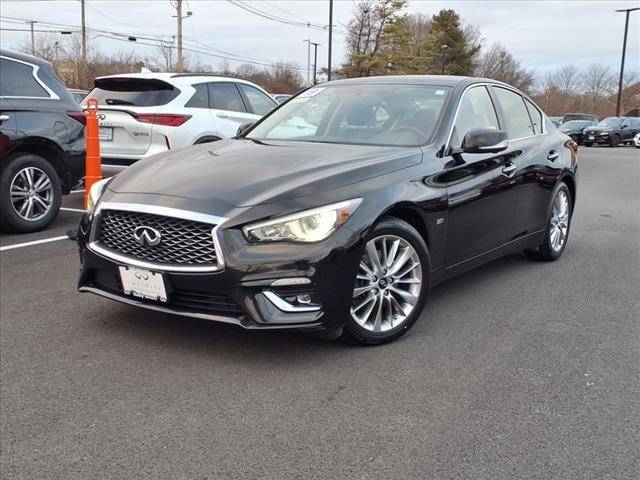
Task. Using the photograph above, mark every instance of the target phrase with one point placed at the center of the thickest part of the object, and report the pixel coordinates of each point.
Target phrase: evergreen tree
(448, 48)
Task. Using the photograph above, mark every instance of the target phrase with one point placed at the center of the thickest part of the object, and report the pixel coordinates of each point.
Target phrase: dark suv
(42, 145)
(612, 131)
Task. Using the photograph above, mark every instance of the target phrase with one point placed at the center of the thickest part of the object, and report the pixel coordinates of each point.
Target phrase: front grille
(184, 242)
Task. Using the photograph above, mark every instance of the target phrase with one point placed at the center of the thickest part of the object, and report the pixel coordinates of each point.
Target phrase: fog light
(304, 298)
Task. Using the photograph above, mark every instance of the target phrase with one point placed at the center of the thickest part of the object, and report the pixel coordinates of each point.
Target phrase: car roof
(178, 78)
(24, 57)
(442, 80)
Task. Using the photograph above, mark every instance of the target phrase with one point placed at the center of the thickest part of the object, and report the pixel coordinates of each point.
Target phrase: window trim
(34, 72)
(490, 85)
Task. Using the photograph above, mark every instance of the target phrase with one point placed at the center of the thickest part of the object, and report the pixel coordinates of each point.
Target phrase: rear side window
(536, 116)
(517, 117)
(17, 80)
(136, 92)
(476, 111)
(200, 99)
(260, 102)
(225, 96)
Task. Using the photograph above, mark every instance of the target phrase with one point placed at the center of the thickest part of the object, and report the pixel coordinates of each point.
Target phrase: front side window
(200, 98)
(395, 115)
(535, 115)
(17, 80)
(517, 116)
(260, 103)
(476, 111)
(225, 96)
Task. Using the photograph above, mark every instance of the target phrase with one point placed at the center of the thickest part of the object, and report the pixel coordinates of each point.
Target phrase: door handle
(3, 118)
(509, 169)
(222, 115)
(553, 155)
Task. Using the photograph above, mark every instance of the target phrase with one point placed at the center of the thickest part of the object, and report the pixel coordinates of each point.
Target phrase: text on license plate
(105, 134)
(143, 283)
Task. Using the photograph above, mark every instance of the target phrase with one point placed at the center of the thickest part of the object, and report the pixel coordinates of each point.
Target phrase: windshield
(610, 122)
(571, 124)
(397, 115)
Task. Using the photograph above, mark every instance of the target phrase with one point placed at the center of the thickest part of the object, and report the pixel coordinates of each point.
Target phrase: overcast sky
(541, 34)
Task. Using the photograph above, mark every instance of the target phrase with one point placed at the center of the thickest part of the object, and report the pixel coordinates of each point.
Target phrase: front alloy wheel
(389, 289)
(31, 193)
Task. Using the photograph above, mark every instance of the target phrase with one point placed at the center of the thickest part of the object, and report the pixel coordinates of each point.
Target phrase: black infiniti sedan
(612, 131)
(338, 211)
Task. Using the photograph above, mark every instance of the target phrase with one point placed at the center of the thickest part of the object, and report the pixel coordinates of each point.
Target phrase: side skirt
(527, 241)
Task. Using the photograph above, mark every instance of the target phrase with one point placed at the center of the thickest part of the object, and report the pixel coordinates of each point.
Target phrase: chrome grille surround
(202, 254)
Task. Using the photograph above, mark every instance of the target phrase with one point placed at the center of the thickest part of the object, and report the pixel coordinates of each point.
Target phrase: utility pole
(330, 39)
(84, 32)
(178, 7)
(308, 42)
(444, 56)
(33, 38)
(624, 52)
(315, 61)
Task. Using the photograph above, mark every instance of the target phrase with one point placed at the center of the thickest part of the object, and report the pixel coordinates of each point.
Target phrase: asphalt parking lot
(515, 370)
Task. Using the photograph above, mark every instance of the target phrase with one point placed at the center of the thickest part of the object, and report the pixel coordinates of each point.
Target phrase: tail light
(79, 117)
(167, 119)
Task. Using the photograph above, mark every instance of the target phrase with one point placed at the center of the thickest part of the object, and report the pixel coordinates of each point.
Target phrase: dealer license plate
(591, 137)
(105, 134)
(143, 283)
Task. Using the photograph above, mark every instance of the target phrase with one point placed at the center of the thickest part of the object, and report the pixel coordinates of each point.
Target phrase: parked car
(579, 116)
(636, 140)
(78, 95)
(147, 113)
(404, 183)
(575, 129)
(42, 147)
(281, 97)
(612, 131)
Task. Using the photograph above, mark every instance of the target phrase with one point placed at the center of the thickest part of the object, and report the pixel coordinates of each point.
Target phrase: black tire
(9, 218)
(545, 252)
(353, 332)
(614, 141)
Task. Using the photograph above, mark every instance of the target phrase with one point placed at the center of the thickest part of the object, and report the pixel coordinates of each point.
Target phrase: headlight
(308, 226)
(95, 192)
(604, 133)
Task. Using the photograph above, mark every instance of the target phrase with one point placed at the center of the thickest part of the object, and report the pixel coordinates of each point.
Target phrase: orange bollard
(93, 170)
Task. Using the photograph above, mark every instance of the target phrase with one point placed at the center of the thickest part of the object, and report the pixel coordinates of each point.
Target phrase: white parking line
(67, 209)
(35, 242)
(77, 191)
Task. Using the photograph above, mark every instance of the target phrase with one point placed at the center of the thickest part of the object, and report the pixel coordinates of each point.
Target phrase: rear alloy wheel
(31, 194)
(557, 232)
(390, 287)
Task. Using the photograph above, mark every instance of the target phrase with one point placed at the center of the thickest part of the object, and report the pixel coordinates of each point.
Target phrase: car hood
(244, 173)
(599, 129)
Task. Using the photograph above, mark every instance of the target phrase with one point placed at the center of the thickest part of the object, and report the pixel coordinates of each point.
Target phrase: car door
(479, 188)
(537, 165)
(629, 128)
(8, 125)
(228, 108)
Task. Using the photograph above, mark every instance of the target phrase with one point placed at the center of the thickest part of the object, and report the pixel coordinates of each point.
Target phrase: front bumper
(256, 288)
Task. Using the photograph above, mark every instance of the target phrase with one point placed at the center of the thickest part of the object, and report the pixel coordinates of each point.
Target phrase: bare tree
(498, 63)
(567, 80)
(598, 84)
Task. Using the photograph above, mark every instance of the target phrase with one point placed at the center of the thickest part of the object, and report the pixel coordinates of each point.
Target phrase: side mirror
(484, 140)
(243, 128)
(623, 127)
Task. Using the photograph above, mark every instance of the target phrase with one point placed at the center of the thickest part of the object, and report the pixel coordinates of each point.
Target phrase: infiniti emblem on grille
(147, 236)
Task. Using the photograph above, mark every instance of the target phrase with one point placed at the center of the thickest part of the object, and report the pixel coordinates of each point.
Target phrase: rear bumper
(249, 292)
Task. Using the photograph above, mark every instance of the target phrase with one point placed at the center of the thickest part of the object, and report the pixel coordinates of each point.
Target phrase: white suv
(142, 114)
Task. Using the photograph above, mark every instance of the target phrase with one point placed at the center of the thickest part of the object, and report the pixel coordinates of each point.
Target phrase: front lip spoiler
(239, 321)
